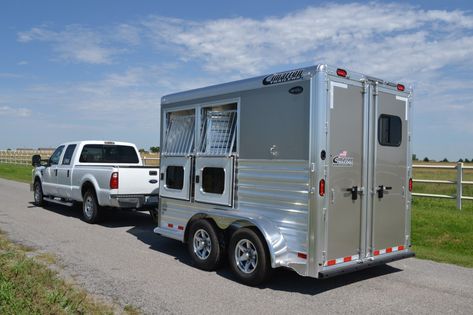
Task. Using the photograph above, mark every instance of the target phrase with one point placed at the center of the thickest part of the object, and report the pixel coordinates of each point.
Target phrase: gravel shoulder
(123, 261)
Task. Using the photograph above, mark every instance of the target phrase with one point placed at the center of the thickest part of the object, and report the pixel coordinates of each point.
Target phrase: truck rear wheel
(154, 214)
(248, 257)
(204, 245)
(90, 207)
(38, 193)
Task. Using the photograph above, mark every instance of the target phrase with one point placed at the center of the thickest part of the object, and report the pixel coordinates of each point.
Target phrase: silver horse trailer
(308, 169)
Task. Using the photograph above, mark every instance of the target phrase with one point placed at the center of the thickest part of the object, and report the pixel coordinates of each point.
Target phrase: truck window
(389, 130)
(213, 180)
(54, 159)
(175, 177)
(66, 160)
(105, 153)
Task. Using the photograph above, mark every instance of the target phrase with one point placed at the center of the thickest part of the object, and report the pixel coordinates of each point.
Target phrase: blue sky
(97, 69)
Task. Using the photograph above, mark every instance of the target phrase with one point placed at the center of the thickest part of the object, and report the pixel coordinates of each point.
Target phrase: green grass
(441, 232)
(28, 286)
(21, 173)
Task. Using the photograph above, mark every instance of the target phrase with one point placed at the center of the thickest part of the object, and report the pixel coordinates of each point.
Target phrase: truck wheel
(248, 257)
(38, 193)
(90, 207)
(154, 214)
(204, 245)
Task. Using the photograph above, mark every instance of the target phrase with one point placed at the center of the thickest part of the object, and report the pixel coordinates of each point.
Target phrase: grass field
(28, 286)
(19, 173)
(440, 232)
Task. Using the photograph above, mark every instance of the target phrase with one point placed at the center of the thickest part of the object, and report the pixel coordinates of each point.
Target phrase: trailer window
(104, 153)
(389, 130)
(213, 180)
(175, 177)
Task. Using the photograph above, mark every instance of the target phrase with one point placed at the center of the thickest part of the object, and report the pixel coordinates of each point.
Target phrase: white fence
(459, 182)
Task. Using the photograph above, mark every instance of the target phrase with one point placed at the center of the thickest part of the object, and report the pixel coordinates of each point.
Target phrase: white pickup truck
(97, 174)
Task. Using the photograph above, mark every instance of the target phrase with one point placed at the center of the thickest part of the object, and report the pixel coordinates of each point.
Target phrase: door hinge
(326, 127)
(324, 214)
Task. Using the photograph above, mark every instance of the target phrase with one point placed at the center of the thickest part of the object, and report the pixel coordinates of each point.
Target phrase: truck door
(64, 170)
(390, 182)
(49, 177)
(177, 155)
(345, 180)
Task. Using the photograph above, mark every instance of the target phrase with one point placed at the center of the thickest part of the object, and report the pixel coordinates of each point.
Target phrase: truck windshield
(104, 153)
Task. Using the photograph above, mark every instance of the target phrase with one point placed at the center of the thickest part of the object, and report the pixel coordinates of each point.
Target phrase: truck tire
(91, 212)
(204, 245)
(249, 258)
(38, 193)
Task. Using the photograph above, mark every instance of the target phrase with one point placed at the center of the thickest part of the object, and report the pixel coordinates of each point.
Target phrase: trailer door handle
(354, 192)
(197, 179)
(381, 190)
(68, 173)
(55, 172)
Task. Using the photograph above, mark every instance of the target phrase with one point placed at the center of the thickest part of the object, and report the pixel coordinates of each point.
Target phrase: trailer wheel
(90, 207)
(204, 245)
(38, 193)
(248, 257)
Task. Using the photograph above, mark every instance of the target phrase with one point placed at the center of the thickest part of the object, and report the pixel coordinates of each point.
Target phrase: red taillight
(401, 87)
(410, 184)
(322, 187)
(341, 72)
(114, 180)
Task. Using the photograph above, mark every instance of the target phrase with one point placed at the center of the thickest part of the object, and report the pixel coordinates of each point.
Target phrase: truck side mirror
(36, 160)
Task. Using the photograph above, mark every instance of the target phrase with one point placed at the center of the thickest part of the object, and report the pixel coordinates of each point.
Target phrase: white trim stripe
(404, 99)
(335, 84)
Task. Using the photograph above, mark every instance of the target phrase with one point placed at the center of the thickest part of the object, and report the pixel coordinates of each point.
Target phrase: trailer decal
(388, 250)
(283, 77)
(341, 260)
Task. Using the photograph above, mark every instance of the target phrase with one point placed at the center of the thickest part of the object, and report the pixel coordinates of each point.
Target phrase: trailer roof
(264, 81)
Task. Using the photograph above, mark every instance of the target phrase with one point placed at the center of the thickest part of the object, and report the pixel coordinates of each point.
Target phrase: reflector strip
(341, 260)
(388, 250)
(170, 225)
(180, 227)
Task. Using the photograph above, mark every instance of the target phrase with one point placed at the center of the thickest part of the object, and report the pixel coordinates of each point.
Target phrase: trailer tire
(91, 211)
(204, 245)
(38, 193)
(248, 257)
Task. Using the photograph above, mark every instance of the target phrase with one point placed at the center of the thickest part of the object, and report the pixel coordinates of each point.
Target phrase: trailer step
(58, 201)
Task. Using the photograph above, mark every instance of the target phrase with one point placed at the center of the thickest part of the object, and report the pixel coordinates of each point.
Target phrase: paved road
(122, 260)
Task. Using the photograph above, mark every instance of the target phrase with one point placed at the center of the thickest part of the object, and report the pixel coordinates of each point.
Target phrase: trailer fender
(277, 245)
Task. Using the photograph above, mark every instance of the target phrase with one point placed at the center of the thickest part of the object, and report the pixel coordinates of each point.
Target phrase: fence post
(459, 184)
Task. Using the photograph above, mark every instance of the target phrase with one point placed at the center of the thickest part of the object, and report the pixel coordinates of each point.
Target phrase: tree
(445, 160)
(426, 159)
(142, 150)
(414, 157)
(467, 161)
(460, 160)
(154, 149)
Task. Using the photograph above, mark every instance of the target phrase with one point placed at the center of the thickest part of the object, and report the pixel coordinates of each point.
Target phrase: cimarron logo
(283, 77)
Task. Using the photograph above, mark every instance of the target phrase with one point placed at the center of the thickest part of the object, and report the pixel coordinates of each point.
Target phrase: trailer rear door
(389, 211)
(345, 180)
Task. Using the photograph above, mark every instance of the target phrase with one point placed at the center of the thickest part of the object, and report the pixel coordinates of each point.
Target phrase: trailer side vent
(218, 133)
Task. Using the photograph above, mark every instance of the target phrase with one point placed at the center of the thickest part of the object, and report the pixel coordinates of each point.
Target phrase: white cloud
(77, 43)
(372, 37)
(14, 112)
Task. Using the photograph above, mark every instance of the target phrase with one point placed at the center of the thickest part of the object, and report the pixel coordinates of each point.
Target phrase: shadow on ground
(141, 226)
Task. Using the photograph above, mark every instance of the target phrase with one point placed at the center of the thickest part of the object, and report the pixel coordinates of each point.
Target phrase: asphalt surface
(123, 261)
